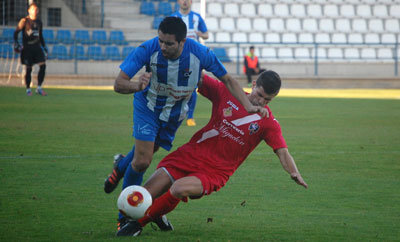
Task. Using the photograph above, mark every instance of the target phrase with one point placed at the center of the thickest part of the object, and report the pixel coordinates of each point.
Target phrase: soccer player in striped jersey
(161, 97)
(206, 162)
(196, 27)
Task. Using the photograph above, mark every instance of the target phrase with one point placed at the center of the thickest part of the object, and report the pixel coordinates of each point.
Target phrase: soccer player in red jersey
(205, 163)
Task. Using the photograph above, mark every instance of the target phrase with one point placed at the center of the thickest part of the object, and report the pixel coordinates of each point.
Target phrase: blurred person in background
(251, 65)
(196, 27)
(33, 50)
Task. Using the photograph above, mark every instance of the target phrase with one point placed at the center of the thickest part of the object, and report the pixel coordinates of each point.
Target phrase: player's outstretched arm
(289, 165)
(234, 87)
(124, 85)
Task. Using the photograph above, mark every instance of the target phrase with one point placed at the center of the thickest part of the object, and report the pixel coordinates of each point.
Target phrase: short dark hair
(175, 26)
(32, 5)
(270, 81)
(251, 47)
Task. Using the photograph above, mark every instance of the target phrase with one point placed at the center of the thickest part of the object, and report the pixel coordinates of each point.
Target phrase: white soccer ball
(134, 201)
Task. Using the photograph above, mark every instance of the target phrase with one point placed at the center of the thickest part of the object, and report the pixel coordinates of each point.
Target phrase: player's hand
(17, 47)
(298, 179)
(144, 80)
(260, 110)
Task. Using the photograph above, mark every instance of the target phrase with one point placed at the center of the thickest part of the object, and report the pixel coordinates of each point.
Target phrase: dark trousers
(250, 72)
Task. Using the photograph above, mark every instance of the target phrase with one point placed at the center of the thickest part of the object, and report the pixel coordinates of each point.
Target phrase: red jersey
(230, 135)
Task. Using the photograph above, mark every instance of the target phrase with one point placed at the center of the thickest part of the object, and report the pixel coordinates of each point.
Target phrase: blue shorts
(147, 127)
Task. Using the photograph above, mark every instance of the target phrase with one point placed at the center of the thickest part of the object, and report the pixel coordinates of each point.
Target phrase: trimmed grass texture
(56, 151)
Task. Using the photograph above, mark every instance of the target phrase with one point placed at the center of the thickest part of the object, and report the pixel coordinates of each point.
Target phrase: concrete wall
(68, 18)
(285, 69)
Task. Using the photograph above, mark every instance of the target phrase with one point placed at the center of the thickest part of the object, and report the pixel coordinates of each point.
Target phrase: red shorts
(181, 165)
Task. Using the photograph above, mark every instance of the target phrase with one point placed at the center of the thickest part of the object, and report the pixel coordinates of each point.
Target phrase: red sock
(162, 205)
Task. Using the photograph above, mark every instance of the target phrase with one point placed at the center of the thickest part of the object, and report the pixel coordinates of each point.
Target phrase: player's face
(33, 12)
(170, 48)
(258, 97)
(185, 4)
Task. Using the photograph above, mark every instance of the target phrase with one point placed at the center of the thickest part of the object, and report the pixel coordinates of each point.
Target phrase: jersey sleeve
(19, 28)
(202, 25)
(273, 135)
(41, 34)
(139, 57)
(210, 88)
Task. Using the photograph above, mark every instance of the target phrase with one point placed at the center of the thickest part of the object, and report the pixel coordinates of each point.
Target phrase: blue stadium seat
(147, 8)
(100, 37)
(78, 52)
(95, 52)
(221, 54)
(112, 53)
(64, 36)
(156, 22)
(8, 35)
(117, 37)
(126, 51)
(48, 35)
(177, 7)
(59, 52)
(82, 36)
(164, 8)
(6, 51)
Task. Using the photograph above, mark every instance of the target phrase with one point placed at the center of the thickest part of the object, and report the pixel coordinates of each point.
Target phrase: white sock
(28, 90)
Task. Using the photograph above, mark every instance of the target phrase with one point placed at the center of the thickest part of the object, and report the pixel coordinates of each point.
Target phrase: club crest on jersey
(253, 128)
(186, 73)
(227, 111)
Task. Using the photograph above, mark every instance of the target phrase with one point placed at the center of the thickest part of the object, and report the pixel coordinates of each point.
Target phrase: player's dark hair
(32, 5)
(251, 48)
(270, 81)
(175, 26)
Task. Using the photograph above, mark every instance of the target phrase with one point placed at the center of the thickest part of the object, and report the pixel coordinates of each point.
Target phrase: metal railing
(314, 55)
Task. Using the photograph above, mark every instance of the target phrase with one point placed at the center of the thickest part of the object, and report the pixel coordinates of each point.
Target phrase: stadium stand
(112, 53)
(342, 30)
(147, 8)
(117, 37)
(78, 52)
(221, 54)
(59, 52)
(64, 36)
(126, 51)
(100, 37)
(95, 52)
(157, 20)
(164, 8)
(48, 35)
(82, 36)
(7, 35)
(6, 51)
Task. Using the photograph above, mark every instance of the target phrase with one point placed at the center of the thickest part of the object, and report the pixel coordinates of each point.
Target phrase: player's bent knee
(187, 186)
(140, 165)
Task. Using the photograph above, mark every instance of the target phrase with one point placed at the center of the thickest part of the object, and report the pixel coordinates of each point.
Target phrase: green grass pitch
(56, 151)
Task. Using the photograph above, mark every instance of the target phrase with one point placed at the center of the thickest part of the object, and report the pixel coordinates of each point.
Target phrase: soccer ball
(134, 201)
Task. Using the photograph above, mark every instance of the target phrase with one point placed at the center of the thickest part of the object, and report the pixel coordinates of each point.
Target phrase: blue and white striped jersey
(172, 81)
(194, 22)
